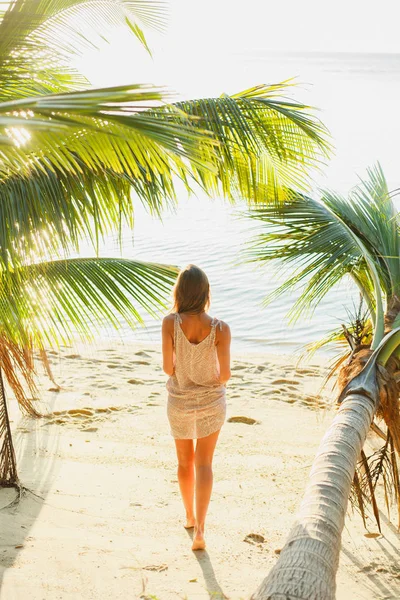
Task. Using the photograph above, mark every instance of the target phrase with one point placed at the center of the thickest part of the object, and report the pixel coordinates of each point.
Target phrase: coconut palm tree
(73, 161)
(326, 240)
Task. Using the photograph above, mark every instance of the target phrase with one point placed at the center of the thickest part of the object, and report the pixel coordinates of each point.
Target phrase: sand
(105, 519)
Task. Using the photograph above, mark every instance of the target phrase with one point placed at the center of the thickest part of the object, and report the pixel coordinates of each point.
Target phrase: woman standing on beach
(196, 356)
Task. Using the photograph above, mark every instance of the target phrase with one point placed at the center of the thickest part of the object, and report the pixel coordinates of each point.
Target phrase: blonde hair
(191, 291)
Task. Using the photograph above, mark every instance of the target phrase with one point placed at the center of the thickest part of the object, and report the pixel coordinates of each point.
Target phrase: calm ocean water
(356, 95)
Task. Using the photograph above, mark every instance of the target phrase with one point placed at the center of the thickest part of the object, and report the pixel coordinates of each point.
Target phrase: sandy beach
(105, 516)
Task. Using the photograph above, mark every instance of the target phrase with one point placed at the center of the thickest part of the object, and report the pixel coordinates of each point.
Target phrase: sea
(356, 97)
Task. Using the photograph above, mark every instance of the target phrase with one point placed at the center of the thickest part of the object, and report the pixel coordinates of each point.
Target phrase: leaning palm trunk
(307, 566)
(8, 465)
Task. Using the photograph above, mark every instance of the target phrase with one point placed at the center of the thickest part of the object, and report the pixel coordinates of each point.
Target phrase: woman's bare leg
(204, 480)
(185, 454)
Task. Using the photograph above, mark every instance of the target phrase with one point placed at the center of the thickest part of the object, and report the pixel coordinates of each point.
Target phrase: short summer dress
(196, 398)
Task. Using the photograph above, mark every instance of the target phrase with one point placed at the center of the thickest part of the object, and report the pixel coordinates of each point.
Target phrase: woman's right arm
(223, 344)
(168, 344)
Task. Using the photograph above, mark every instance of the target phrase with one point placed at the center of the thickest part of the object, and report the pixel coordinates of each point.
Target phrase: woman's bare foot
(190, 522)
(199, 542)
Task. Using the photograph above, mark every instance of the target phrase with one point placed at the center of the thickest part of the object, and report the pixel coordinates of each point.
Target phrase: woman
(196, 355)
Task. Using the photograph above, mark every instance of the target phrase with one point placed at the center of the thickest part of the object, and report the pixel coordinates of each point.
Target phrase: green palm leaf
(107, 127)
(107, 141)
(328, 238)
(267, 143)
(37, 38)
(51, 302)
(38, 23)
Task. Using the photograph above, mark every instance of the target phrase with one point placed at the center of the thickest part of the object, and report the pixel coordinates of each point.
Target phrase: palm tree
(326, 240)
(73, 160)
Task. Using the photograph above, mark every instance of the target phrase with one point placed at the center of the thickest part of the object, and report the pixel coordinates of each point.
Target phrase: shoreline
(107, 520)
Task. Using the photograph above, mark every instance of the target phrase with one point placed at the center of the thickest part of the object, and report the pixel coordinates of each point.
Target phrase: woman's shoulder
(168, 320)
(221, 326)
(170, 317)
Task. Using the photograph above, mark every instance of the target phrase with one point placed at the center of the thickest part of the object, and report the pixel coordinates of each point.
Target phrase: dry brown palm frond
(355, 364)
(389, 407)
(380, 466)
(17, 362)
(356, 497)
(392, 311)
(46, 363)
(376, 429)
(334, 367)
(396, 480)
(371, 489)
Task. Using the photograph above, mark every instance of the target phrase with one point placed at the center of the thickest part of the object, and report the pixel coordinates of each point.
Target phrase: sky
(207, 42)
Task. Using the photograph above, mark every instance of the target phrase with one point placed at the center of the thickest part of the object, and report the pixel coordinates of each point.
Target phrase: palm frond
(112, 135)
(18, 365)
(326, 239)
(357, 332)
(49, 303)
(103, 132)
(267, 143)
(32, 24)
(52, 211)
(303, 233)
(117, 115)
(38, 37)
(379, 467)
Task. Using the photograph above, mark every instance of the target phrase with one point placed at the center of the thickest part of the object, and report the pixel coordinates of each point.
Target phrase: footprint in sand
(135, 381)
(157, 568)
(314, 402)
(73, 356)
(139, 362)
(78, 411)
(142, 353)
(307, 371)
(84, 416)
(246, 420)
(254, 538)
(285, 382)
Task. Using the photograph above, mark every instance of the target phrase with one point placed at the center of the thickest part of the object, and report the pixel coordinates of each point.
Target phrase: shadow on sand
(383, 578)
(203, 558)
(36, 448)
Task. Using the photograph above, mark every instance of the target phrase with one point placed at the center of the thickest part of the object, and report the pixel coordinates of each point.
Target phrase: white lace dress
(196, 398)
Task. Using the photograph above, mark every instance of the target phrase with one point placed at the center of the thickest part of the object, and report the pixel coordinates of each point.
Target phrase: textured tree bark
(307, 566)
(8, 465)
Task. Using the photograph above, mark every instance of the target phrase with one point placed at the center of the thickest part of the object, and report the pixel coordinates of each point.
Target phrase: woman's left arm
(168, 344)
(223, 343)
